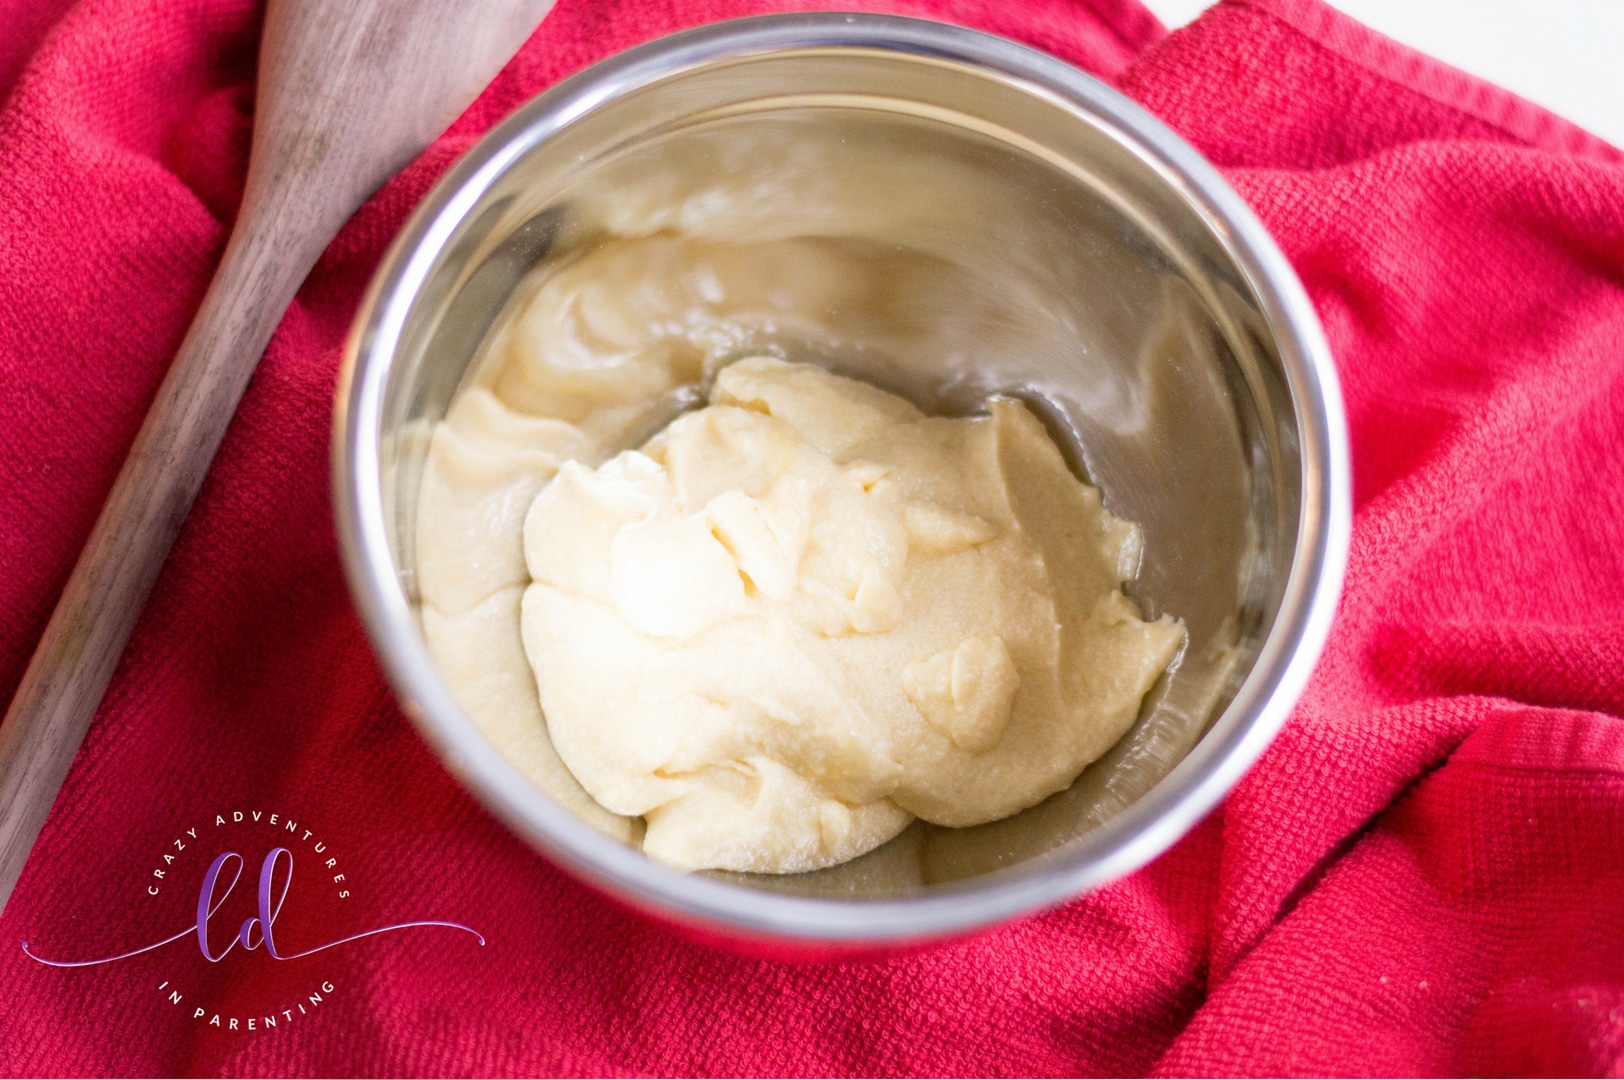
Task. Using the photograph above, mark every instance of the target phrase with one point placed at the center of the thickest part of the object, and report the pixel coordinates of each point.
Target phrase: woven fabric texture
(1424, 874)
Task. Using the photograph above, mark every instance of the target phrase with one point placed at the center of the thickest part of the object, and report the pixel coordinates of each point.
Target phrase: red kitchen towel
(1425, 874)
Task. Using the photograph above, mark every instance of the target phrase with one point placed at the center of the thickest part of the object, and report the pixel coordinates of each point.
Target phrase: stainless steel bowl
(1139, 305)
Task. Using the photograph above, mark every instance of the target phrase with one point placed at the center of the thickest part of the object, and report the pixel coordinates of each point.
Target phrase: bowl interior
(1070, 268)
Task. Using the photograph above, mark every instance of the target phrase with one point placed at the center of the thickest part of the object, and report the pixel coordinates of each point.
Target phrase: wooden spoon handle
(161, 476)
(348, 94)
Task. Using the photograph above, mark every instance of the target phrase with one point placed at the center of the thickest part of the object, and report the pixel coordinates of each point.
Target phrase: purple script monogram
(207, 905)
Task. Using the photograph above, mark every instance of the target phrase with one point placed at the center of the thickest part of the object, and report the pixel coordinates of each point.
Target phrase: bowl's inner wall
(1071, 275)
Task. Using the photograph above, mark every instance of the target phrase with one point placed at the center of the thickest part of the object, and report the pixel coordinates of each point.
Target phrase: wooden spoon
(349, 93)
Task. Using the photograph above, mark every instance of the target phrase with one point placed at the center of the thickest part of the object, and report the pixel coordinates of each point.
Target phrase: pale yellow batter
(806, 613)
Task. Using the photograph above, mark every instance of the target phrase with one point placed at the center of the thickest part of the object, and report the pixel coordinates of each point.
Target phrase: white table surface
(1567, 55)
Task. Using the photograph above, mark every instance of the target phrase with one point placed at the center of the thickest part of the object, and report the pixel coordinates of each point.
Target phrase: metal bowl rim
(1135, 835)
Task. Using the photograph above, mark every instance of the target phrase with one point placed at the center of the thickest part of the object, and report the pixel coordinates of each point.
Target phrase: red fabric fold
(1425, 874)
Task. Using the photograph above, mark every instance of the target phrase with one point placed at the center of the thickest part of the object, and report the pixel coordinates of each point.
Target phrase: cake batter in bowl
(948, 217)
